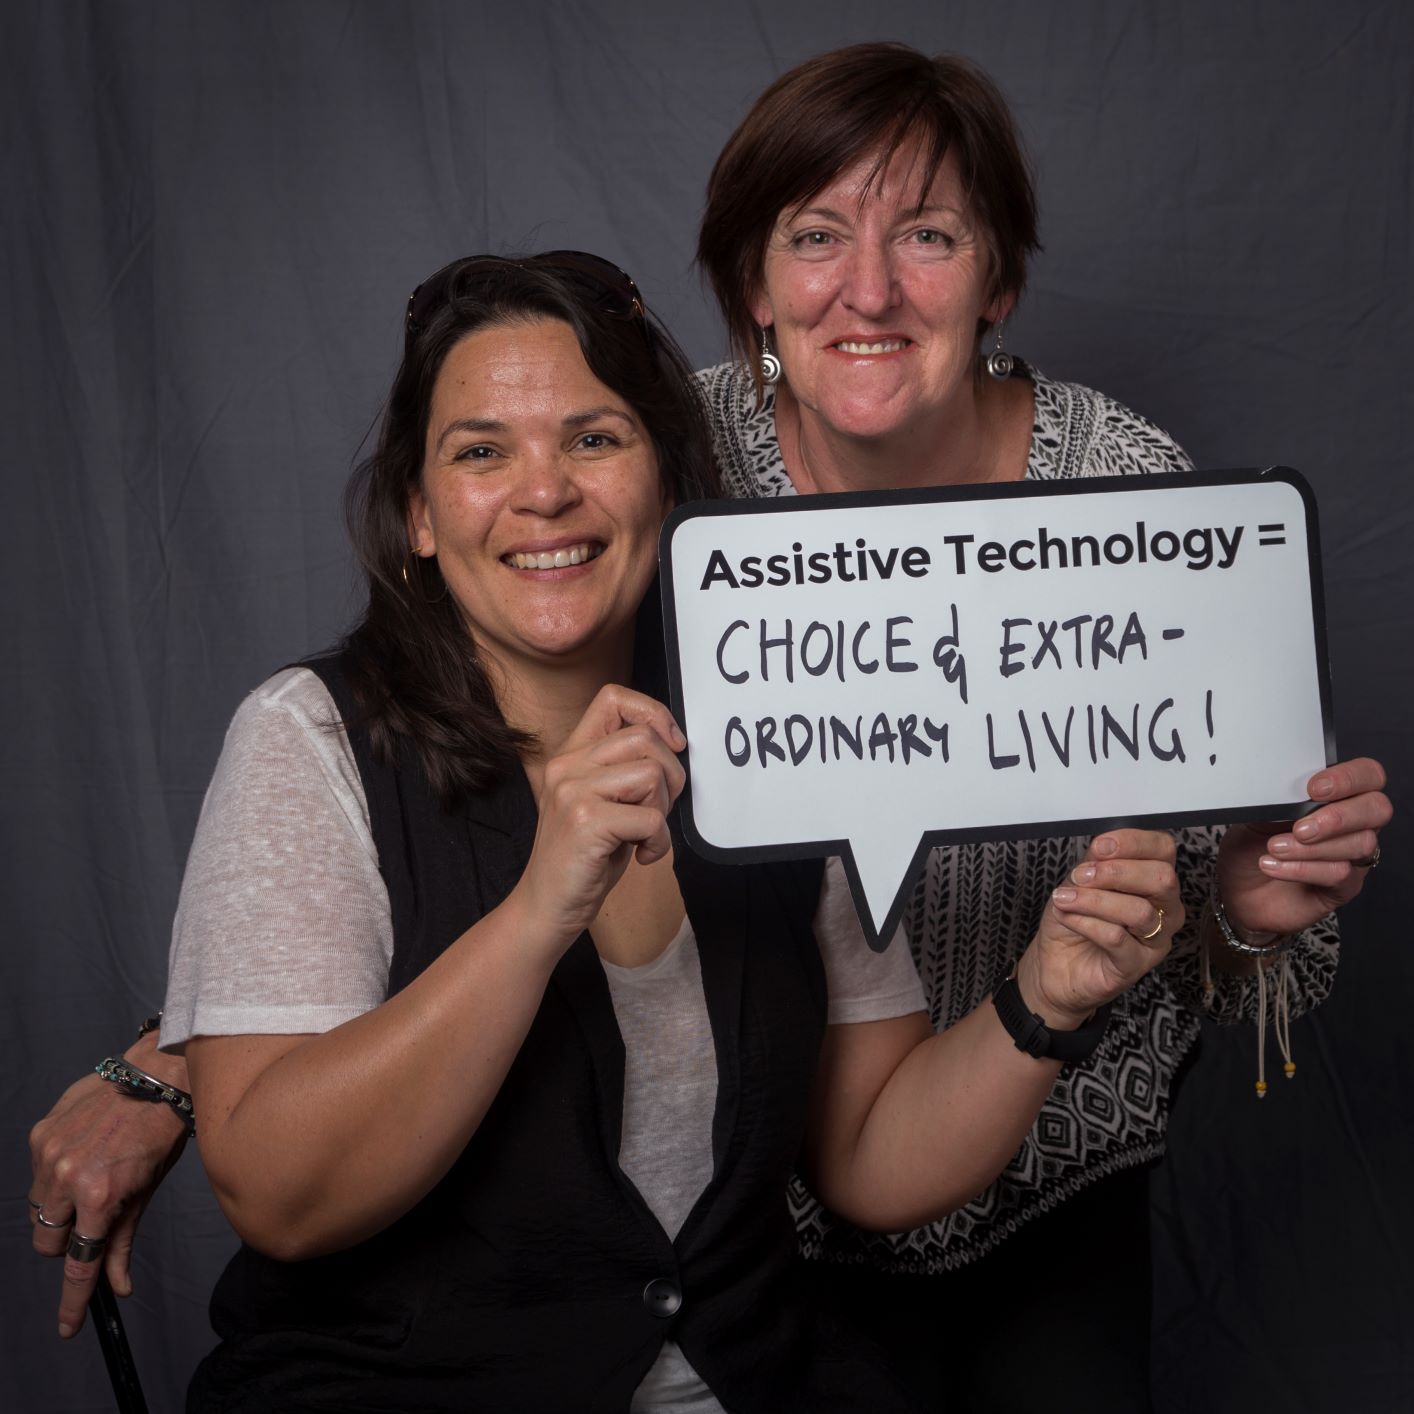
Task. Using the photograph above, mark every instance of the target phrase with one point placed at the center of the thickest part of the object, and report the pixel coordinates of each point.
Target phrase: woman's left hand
(1112, 922)
(1279, 878)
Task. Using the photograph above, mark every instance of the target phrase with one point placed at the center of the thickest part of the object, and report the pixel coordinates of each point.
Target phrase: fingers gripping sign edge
(615, 707)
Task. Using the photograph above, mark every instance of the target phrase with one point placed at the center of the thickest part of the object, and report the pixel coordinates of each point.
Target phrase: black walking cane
(117, 1353)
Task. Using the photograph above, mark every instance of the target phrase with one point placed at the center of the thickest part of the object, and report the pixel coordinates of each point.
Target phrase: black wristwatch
(1033, 1036)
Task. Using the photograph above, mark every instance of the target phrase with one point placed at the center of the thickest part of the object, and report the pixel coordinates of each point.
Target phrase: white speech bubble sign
(873, 675)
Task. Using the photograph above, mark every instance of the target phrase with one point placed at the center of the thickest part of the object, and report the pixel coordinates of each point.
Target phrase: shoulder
(295, 694)
(285, 742)
(743, 435)
(290, 711)
(1082, 432)
(283, 925)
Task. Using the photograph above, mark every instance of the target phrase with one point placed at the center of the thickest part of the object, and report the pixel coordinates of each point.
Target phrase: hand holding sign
(602, 800)
(1278, 878)
(873, 675)
(1110, 924)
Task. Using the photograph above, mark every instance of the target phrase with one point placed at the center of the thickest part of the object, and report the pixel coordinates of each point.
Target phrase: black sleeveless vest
(533, 1277)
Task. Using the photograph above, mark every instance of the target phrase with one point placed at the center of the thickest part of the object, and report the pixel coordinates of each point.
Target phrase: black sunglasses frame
(614, 290)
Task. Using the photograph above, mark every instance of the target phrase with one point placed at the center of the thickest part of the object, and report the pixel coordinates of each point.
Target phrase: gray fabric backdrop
(211, 218)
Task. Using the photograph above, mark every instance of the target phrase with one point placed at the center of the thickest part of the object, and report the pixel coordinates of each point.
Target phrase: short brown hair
(829, 112)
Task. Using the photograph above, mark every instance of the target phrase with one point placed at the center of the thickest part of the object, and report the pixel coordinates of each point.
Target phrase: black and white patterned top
(977, 905)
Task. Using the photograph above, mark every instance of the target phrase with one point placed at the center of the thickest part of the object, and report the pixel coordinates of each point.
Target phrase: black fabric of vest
(519, 1282)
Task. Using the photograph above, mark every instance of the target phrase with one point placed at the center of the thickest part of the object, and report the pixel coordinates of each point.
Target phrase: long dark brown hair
(411, 662)
(827, 113)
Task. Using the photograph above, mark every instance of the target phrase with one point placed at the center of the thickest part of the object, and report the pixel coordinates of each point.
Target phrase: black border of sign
(1078, 486)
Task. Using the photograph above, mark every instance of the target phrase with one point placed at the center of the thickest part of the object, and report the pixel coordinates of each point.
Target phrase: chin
(867, 423)
(576, 643)
(867, 414)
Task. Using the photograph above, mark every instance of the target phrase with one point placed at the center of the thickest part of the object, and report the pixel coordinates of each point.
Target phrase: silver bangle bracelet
(141, 1086)
(1275, 948)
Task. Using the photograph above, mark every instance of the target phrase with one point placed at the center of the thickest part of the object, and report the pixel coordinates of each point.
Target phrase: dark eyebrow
(475, 425)
(828, 213)
(470, 424)
(579, 419)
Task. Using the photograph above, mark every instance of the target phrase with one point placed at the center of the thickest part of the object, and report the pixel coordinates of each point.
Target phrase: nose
(546, 486)
(870, 286)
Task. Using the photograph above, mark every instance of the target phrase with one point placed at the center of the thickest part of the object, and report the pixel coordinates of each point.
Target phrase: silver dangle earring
(999, 362)
(770, 364)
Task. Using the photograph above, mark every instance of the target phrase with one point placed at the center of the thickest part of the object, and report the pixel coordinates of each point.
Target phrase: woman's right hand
(603, 798)
(1110, 923)
(907, 1125)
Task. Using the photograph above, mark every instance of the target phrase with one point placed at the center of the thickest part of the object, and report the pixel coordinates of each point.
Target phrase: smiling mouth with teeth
(880, 346)
(555, 559)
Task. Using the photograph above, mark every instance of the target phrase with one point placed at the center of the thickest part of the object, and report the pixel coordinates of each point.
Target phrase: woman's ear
(421, 538)
(761, 309)
(1000, 307)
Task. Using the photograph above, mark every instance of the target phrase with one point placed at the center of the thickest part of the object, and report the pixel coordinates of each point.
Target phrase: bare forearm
(347, 1130)
(172, 1070)
(947, 1122)
(906, 1126)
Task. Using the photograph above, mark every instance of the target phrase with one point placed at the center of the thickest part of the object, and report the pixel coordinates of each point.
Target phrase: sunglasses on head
(611, 289)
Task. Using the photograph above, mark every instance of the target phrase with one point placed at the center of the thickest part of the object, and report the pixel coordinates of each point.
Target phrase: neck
(548, 699)
(974, 439)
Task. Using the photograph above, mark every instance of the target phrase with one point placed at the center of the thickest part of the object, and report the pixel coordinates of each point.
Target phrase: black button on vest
(662, 1297)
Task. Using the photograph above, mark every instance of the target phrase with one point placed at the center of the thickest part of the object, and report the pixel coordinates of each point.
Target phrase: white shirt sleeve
(864, 985)
(283, 926)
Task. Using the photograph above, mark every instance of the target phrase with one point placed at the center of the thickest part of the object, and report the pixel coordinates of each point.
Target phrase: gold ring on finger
(1155, 930)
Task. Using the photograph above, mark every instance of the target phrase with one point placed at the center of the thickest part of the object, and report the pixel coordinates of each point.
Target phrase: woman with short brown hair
(867, 230)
